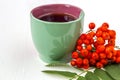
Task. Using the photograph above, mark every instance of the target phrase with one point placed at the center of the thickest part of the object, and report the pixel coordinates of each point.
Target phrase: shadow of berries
(62, 48)
(65, 45)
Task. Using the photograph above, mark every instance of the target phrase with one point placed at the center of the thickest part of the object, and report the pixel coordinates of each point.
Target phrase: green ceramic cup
(56, 40)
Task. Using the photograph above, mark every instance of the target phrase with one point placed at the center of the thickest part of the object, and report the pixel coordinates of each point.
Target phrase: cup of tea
(55, 29)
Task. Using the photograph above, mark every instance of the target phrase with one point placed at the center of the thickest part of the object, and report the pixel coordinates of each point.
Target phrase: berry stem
(117, 47)
(90, 31)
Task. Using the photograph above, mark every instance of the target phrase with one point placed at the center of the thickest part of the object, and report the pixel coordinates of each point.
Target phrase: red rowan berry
(82, 36)
(109, 55)
(118, 53)
(89, 47)
(100, 48)
(79, 42)
(102, 55)
(105, 36)
(112, 34)
(73, 63)
(86, 66)
(95, 56)
(99, 33)
(75, 55)
(79, 48)
(86, 41)
(99, 65)
(100, 40)
(111, 42)
(104, 61)
(113, 58)
(92, 61)
(88, 37)
(118, 60)
(84, 52)
(104, 28)
(91, 25)
(79, 61)
(105, 24)
(85, 61)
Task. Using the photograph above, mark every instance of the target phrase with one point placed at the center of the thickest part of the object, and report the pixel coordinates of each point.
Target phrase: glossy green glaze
(54, 40)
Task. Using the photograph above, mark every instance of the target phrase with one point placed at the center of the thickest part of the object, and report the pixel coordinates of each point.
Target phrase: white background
(18, 57)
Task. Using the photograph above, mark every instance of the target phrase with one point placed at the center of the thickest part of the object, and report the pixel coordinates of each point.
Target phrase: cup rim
(82, 14)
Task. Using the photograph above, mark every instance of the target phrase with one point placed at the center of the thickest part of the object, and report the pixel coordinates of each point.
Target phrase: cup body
(56, 40)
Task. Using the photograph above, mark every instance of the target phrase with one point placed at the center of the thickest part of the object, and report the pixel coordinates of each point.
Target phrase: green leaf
(102, 74)
(113, 71)
(63, 73)
(57, 64)
(81, 78)
(91, 76)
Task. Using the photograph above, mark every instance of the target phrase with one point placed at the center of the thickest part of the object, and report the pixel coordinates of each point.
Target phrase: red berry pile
(96, 48)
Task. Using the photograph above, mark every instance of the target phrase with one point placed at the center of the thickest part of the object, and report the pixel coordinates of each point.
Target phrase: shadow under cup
(56, 40)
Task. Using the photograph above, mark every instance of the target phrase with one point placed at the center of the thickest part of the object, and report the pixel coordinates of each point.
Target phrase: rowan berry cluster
(96, 48)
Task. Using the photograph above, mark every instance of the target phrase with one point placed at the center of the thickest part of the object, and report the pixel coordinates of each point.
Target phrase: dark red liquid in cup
(57, 17)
